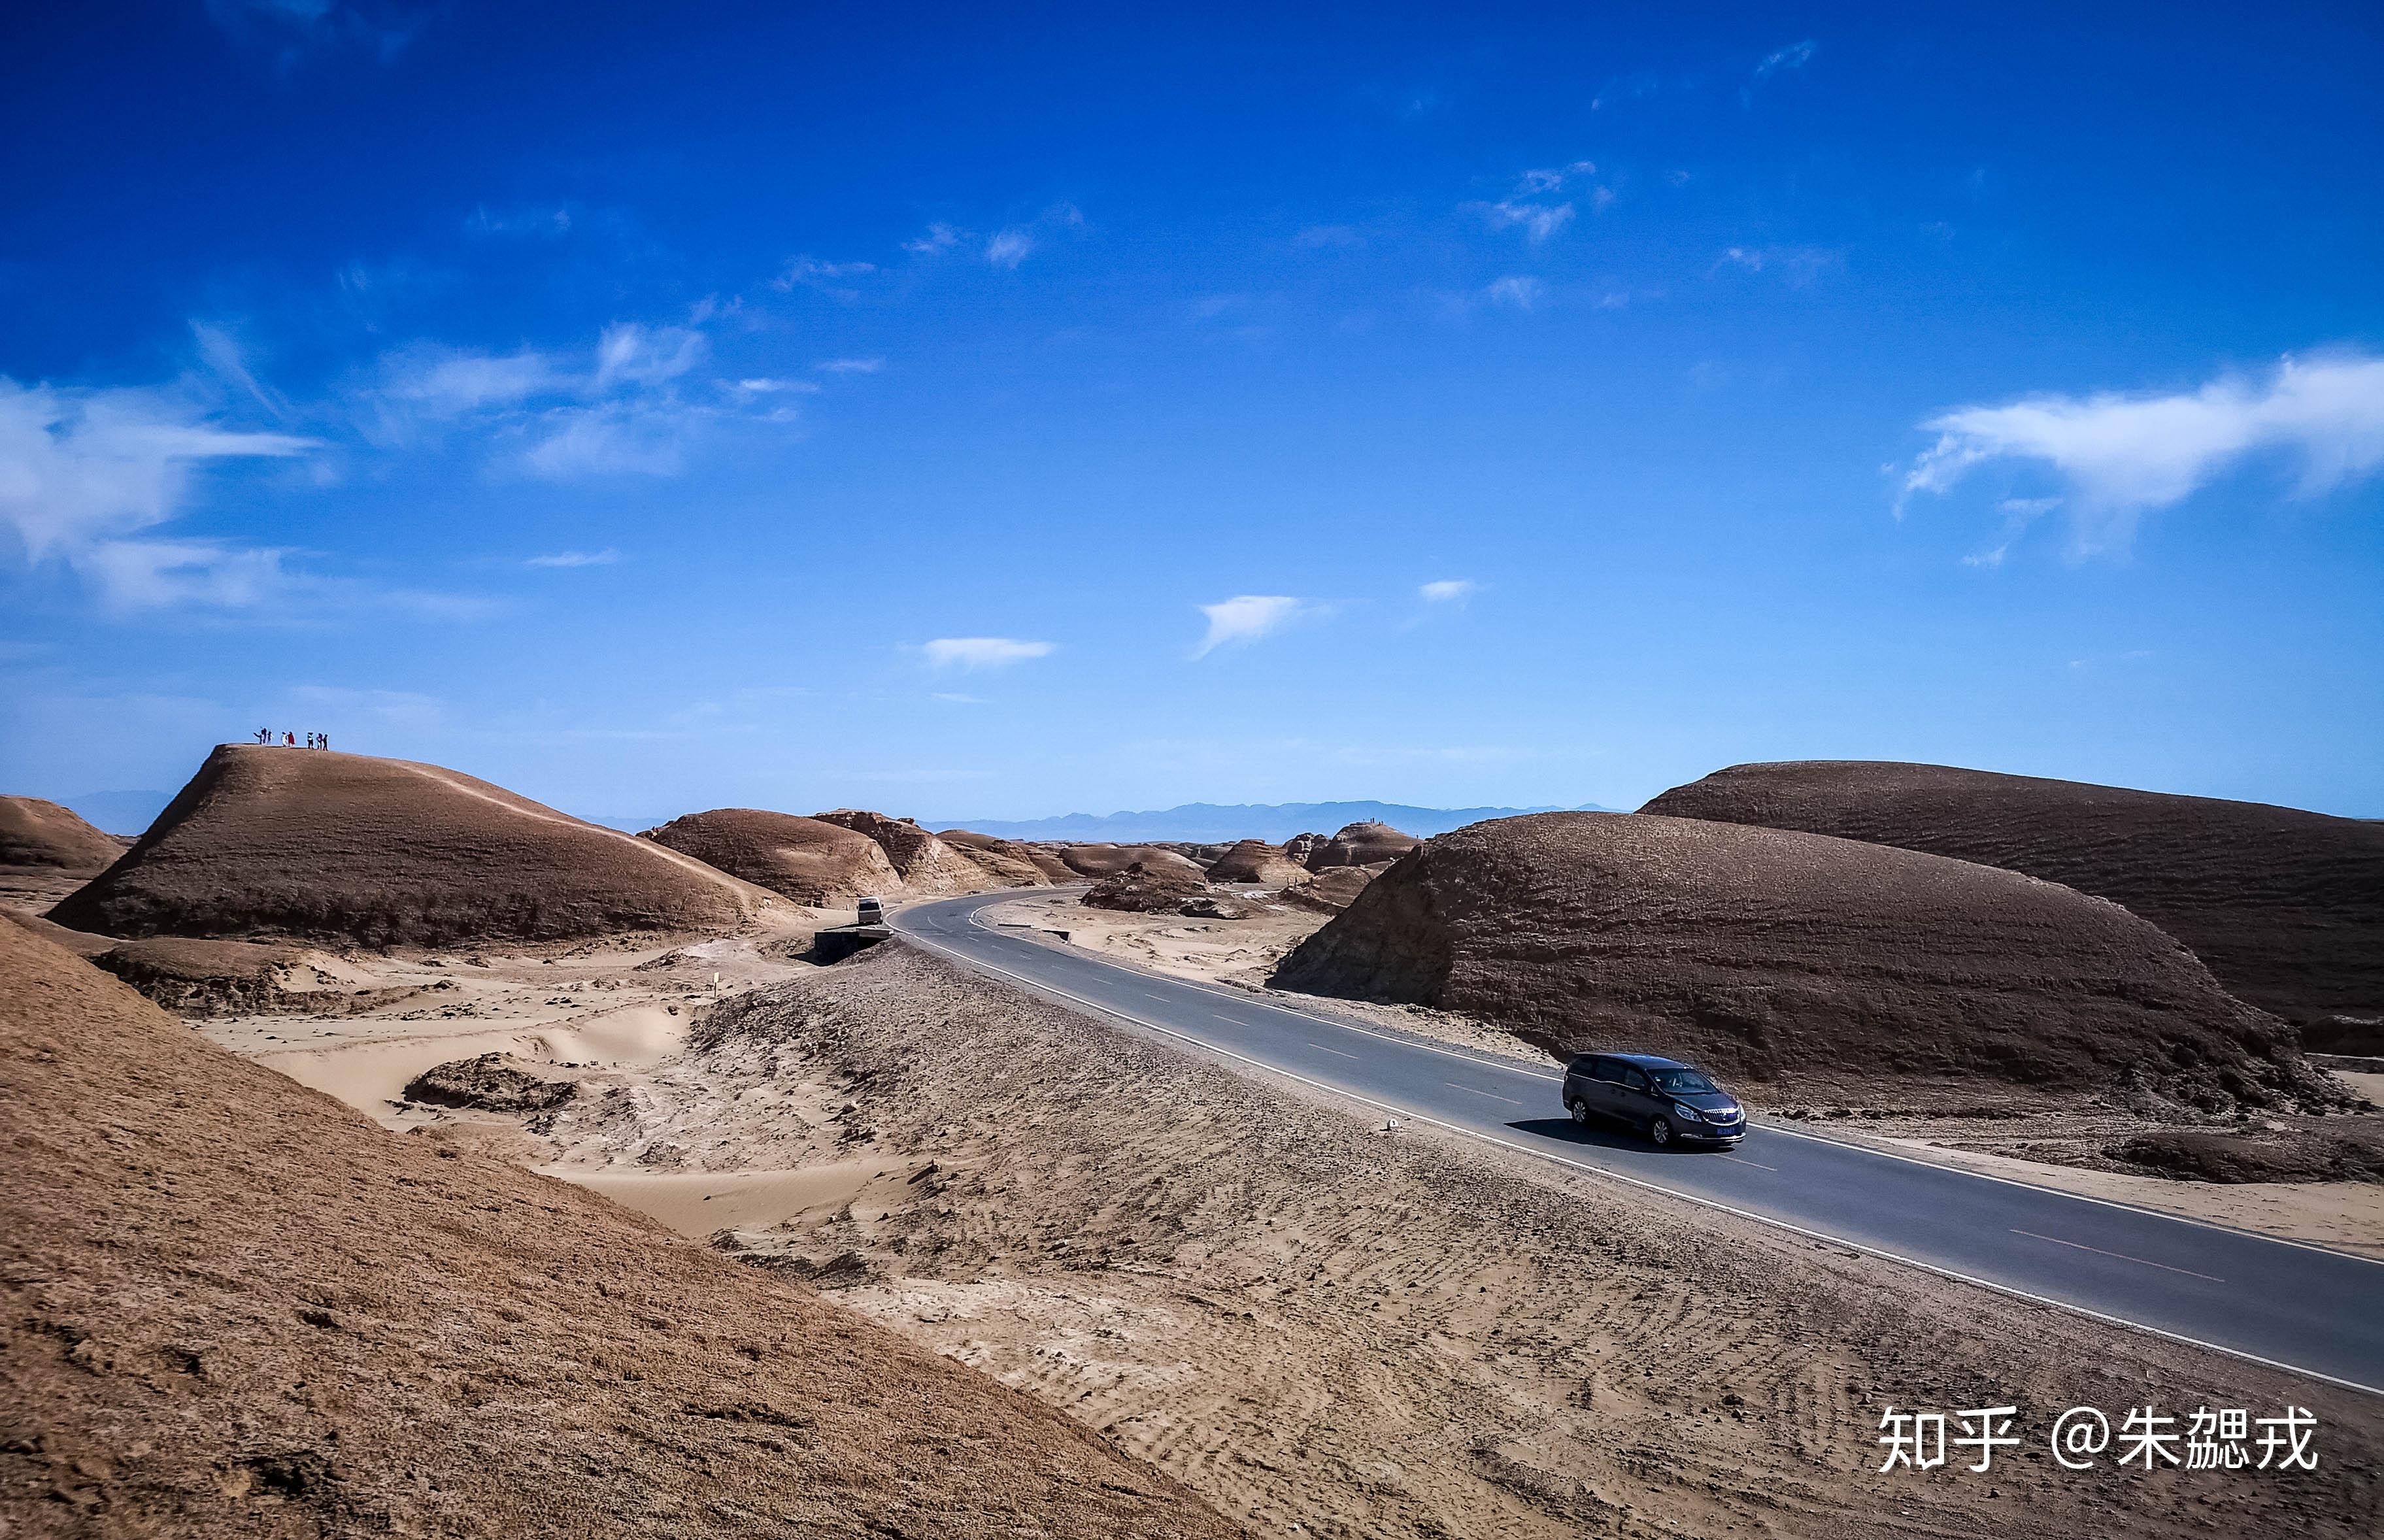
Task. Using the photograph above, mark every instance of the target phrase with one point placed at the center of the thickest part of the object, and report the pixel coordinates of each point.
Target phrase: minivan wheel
(1661, 1132)
(1580, 1110)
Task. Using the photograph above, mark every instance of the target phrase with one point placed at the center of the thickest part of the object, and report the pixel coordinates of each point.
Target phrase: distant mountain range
(1206, 822)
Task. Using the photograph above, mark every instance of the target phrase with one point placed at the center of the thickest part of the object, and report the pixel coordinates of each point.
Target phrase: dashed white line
(2120, 1255)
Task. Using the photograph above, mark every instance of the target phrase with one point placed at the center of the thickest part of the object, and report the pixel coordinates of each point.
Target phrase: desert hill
(1256, 861)
(1763, 953)
(1108, 860)
(292, 843)
(926, 864)
(807, 860)
(38, 832)
(1006, 861)
(2286, 907)
(233, 1307)
(1362, 845)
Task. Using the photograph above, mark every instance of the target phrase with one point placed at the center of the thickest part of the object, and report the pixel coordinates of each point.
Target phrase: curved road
(2315, 1312)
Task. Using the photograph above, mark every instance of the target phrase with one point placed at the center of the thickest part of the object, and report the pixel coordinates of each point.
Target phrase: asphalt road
(2315, 1312)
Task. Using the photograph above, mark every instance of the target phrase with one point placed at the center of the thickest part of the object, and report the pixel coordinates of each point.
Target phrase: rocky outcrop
(1007, 861)
(1256, 861)
(1141, 889)
(808, 859)
(1362, 845)
(924, 862)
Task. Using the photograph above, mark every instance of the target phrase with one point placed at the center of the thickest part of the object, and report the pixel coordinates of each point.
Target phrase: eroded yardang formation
(807, 860)
(270, 843)
(1764, 953)
(2287, 907)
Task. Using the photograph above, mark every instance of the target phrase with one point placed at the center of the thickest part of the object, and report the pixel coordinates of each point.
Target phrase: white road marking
(2007, 1290)
(1745, 1162)
(1492, 1095)
(1319, 1048)
(2120, 1255)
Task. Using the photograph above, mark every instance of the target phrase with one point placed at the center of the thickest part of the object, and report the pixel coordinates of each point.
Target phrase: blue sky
(999, 413)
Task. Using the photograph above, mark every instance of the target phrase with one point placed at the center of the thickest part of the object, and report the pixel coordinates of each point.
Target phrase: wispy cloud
(1450, 590)
(86, 475)
(1794, 56)
(832, 278)
(938, 237)
(1247, 617)
(1798, 266)
(636, 404)
(1523, 292)
(606, 557)
(1008, 248)
(970, 653)
(2120, 457)
(1534, 206)
(1014, 244)
(849, 365)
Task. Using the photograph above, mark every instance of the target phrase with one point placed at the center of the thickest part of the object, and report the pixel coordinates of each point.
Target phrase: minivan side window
(1584, 1065)
(1608, 1070)
(1638, 1082)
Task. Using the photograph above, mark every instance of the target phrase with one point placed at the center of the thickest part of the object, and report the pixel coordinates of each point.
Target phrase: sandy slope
(1316, 1323)
(233, 1308)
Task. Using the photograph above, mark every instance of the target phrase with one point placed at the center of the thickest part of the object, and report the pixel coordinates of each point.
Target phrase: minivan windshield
(1681, 1082)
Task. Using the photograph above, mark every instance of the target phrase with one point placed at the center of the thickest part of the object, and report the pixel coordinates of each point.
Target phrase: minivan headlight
(1688, 1112)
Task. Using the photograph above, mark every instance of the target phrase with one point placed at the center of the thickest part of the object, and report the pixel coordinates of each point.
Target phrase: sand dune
(276, 843)
(234, 1308)
(804, 858)
(2286, 907)
(1765, 954)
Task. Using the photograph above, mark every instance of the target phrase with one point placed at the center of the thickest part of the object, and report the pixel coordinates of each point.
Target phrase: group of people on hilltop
(290, 741)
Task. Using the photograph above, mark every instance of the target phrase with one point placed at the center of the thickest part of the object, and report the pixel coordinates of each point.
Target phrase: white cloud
(83, 472)
(1008, 248)
(1532, 205)
(777, 387)
(2122, 455)
(606, 557)
(1798, 264)
(1448, 590)
(1246, 618)
(1523, 292)
(940, 237)
(974, 652)
(831, 278)
(1794, 57)
(609, 439)
(628, 353)
(849, 365)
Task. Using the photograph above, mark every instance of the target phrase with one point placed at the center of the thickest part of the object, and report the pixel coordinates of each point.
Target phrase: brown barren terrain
(1773, 956)
(268, 843)
(234, 1308)
(2286, 907)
